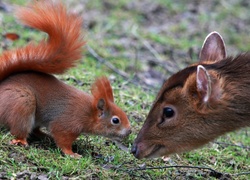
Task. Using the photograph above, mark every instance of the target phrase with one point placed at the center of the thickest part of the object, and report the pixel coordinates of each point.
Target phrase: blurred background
(150, 40)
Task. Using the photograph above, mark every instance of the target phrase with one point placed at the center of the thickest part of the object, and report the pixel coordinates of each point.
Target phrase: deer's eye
(115, 120)
(168, 112)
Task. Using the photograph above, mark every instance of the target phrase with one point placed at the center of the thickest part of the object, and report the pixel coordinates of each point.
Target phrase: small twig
(109, 65)
(213, 173)
(151, 49)
(146, 44)
(163, 63)
(242, 173)
(121, 73)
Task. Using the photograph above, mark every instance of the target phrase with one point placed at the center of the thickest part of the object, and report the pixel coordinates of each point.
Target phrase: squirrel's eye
(168, 112)
(115, 120)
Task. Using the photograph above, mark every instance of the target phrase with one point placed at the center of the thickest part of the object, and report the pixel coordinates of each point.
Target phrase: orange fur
(106, 93)
(60, 52)
(31, 98)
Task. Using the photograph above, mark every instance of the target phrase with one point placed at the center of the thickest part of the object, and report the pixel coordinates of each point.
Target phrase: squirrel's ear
(107, 88)
(101, 104)
(203, 83)
(102, 89)
(213, 48)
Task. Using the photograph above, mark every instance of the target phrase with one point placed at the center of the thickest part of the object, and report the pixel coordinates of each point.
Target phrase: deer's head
(179, 119)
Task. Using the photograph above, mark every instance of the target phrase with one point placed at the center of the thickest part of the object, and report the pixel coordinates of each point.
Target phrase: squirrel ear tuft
(102, 89)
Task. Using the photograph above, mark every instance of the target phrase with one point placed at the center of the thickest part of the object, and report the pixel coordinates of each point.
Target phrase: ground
(138, 44)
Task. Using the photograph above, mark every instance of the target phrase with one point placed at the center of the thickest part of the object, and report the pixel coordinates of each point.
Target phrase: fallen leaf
(11, 36)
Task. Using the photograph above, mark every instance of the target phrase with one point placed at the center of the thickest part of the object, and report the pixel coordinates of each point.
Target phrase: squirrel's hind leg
(18, 105)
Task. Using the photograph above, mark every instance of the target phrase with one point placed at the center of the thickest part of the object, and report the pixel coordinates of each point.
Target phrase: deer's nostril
(134, 149)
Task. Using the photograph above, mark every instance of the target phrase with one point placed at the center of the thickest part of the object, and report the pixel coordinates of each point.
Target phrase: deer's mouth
(155, 152)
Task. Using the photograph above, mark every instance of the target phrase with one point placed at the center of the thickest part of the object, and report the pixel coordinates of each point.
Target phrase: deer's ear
(213, 48)
(203, 83)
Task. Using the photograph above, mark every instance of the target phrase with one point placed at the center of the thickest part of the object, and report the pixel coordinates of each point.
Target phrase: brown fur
(31, 98)
(209, 99)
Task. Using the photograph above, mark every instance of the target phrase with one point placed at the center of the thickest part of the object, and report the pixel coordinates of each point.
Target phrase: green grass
(118, 34)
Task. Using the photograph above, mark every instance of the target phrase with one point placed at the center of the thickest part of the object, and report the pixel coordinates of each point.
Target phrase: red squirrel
(198, 103)
(31, 97)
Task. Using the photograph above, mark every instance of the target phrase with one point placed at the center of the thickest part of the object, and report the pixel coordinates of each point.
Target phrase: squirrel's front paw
(75, 155)
(21, 142)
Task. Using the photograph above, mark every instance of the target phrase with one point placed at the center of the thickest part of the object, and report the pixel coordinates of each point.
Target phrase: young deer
(198, 103)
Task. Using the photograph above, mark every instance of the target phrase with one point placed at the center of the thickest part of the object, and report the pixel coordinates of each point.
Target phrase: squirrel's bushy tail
(53, 56)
